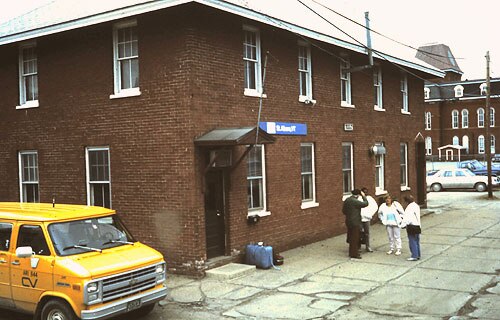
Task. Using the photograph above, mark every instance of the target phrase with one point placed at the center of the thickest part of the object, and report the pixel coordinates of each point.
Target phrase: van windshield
(96, 234)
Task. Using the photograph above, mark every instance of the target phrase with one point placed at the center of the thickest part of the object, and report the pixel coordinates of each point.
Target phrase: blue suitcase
(259, 255)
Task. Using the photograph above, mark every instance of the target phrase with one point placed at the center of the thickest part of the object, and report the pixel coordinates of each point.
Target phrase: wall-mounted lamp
(253, 219)
(377, 149)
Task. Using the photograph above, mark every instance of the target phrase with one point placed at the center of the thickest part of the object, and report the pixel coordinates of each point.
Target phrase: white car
(459, 179)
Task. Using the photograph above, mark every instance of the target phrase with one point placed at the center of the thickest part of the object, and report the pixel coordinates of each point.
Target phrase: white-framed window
(256, 180)
(480, 144)
(126, 59)
(492, 117)
(347, 167)
(28, 76)
(428, 146)
(252, 61)
(454, 119)
(428, 120)
(465, 118)
(308, 174)
(459, 91)
(377, 89)
(483, 87)
(305, 72)
(465, 143)
(455, 141)
(379, 172)
(403, 164)
(28, 176)
(492, 145)
(480, 118)
(98, 176)
(345, 84)
(427, 93)
(404, 92)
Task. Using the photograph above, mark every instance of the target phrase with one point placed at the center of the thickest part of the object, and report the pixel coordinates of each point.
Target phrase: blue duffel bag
(259, 255)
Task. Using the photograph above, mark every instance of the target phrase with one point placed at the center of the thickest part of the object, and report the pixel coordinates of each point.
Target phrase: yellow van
(74, 262)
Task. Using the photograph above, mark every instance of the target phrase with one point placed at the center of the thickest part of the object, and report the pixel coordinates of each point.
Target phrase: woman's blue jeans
(414, 241)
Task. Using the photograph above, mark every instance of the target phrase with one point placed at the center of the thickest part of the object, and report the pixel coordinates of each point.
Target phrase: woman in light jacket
(390, 214)
(412, 218)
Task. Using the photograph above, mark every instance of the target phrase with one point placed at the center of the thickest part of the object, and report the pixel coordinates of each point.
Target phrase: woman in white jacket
(390, 214)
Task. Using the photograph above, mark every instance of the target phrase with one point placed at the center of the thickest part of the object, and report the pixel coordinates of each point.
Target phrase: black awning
(233, 137)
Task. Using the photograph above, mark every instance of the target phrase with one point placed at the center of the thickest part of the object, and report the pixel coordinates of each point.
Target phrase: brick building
(152, 109)
(455, 111)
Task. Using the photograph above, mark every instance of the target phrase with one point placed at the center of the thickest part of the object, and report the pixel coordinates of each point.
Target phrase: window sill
(260, 213)
(380, 192)
(307, 100)
(346, 105)
(309, 204)
(29, 104)
(405, 112)
(254, 93)
(406, 188)
(126, 93)
(377, 108)
(428, 129)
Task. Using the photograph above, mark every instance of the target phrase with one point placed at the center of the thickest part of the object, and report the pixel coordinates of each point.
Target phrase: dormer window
(483, 88)
(459, 91)
(427, 93)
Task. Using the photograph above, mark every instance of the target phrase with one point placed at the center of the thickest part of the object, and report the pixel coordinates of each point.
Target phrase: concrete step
(230, 271)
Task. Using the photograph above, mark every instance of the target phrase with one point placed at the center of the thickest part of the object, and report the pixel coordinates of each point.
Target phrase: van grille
(129, 283)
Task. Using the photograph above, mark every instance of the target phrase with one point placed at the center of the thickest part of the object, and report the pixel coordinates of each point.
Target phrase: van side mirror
(24, 252)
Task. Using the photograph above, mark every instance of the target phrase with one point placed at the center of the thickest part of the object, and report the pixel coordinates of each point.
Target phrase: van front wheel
(57, 310)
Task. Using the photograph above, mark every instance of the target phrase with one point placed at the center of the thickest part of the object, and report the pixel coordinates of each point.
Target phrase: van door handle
(16, 263)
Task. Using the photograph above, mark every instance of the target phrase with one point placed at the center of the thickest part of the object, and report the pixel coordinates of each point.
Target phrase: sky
(466, 26)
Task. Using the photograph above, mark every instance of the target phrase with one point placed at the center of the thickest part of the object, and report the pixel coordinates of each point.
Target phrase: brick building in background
(455, 111)
(152, 109)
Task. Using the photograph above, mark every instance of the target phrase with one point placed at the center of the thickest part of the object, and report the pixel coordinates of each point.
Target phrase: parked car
(495, 157)
(479, 168)
(459, 179)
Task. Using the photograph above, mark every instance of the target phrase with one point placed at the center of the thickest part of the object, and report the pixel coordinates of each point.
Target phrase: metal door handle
(16, 263)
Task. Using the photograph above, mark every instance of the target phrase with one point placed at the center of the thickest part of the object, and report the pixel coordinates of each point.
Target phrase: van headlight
(160, 272)
(92, 293)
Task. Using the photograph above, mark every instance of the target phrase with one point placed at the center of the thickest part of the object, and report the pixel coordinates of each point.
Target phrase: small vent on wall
(348, 127)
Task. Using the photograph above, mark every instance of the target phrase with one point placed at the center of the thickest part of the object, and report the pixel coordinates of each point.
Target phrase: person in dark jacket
(352, 210)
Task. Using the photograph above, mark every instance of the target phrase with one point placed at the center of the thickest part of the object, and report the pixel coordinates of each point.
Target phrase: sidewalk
(457, 276)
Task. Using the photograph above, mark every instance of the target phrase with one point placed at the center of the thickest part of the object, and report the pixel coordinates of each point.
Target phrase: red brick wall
(191, 79)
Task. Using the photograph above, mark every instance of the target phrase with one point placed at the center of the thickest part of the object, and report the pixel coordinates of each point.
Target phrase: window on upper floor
(480, 118)
(28, 176)
(98, 177)
(403, 165)
(377, 89)
(492, 146)
(427, 93)
(28, 76)
(428, 120)
(492, 117)
(404, 92)
(465, 118)
(305, 73)
(347, 168)
(454, 119)
(308, 175)
(345, 84)
(256, 180)
(480, 144)
(455, 141)
(126, 59)
(428, 146)
(252, 61)
(459, 91)
(483, 88)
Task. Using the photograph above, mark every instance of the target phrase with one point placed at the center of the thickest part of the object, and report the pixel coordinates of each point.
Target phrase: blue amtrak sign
(284, 128)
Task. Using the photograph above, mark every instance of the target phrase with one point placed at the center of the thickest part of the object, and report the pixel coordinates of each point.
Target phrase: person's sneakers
(368, 249)
(357, 257)
(390, 251)
(398, 252)
(412, 259)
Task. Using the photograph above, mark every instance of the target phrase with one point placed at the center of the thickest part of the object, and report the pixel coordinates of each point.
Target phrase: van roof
(47, 212)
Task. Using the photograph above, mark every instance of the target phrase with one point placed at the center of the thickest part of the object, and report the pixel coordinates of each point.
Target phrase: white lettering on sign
(282, 128)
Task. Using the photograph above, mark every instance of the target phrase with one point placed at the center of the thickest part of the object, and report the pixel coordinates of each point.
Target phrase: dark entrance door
(214, 214)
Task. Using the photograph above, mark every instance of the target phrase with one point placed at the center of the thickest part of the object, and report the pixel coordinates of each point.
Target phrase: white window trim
(492, 117)
(466, 112)
(346, 64)
(380, 189)
(118, 92)
(459, 91)
(428, 146)
(87, 173)
(311, 203)
(427, 93)
(493, 141)
(20, 166)
(484, 118)
(405, 107)
(479, 139)
(453, 124)
(23, 104)
(428, 120)
(380, 102)
(406, 186)
(351, 147)
(263, 211)
(482, 88)
(258, 92)
(308, 98)
(465, 139)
